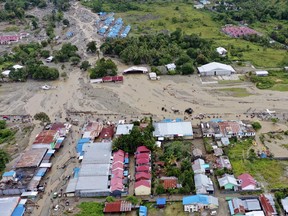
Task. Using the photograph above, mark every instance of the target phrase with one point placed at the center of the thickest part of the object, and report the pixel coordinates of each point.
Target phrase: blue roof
(231, 208)
(161, 201)
(10, 173)
(203, 199)
(142, 211)
(41, 172)
(76, 172)
(19, 210)
(126, 173)
(126, 160)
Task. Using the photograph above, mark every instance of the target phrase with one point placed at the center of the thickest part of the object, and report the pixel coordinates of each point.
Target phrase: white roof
(8, 204)
(152, 75)
(17, 67)
(227, 179)
(172, 128)
(124, 129)
(136, 68)
(220, 50)
(284, 203)
(50, 58)
(261, 72)
(215, 66)
(31, 193)
(6, 73)
(171, 66)
(255, 213)
(45, 165)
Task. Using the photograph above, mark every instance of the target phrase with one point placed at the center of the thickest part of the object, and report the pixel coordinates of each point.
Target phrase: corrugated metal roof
(124, 129)
(172, 128)
(8, 204)
(215, 66)
(71, 187)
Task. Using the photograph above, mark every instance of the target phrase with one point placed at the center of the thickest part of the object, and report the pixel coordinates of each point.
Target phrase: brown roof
(31, 158)
(118, 206)
(169, 182)
(107, 132)
(45, 137)
(57, 126)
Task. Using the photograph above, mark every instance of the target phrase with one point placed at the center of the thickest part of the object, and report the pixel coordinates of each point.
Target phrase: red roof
(142, 149)
(45, 137)
(169, 182)
(118, 206)
(107, 79)
(143, 155)
(142, 161)
(143, 169)
(145, 183)
(246, 180)
(119, 153)
(117, 78)
(57, 126)
(142, 176)
(107, 132)
(9, 38)
(117, 166)
(267, 207)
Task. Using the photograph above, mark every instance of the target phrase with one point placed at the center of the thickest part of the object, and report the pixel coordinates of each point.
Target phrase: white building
(261, 73)
(49, 59)
(221, 51)
(123, 129)
(170, 67)
(16, 67)
(6, 73)
(216, 69)
(173, 129)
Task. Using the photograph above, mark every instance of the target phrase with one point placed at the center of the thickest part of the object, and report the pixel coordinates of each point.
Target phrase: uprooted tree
(43, 117)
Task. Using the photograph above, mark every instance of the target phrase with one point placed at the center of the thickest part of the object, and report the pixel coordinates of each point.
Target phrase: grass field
(171, 209)
(236, 92)
(259, 168)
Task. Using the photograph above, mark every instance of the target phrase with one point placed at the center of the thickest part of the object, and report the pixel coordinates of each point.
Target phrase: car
(56, 208)
(55, 195)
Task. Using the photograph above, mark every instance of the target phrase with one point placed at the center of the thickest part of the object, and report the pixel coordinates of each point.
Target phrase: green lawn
(259, 168)
(91, 209)
(171, 209)
(280, 87)
(236, 92)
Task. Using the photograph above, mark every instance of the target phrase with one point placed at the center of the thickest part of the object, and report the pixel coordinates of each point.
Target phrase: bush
(42, 117)
(256, 126)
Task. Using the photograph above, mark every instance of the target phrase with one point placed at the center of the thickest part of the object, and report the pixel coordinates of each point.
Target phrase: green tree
(110, 199)
(41, 116)
(85, 65)
(4, 158)
(91, 47)
(187, 68)
(2, 124)
(160, 189)
(103, 68)
(75, 60)
(134, 200)
(66, 22)
(34, 24)
(256, 126)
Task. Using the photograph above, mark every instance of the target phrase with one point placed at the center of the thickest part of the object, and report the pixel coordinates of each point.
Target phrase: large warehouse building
(216, 69)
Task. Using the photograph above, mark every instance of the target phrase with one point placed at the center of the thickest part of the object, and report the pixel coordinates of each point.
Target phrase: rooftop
(8, 204)
(214, 66)
(163, 129)
(118, 206)
(31, 158)
(124, 129)
(46, 137)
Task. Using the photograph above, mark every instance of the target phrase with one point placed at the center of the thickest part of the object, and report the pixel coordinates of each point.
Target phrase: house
(142, 155)
(199, 166)
(203, 184)
(142, 187)
(144, 168)
(117, 207)
(230, 129)
(7, 176)
(17, 67)
(173, 129)
(170, 182)
(143, 150)
(268, 204)
(142, 161)
(135, 69)
(6, 73)
(218, 152)
(228, 182)
(8, 204)
(171, 67)
(49, 59)
(197, 153)
(142, 176)
(153, 76)
(236, 207)
(198, 6)
(143, 211)
(46, 139)
(107, 133)
(223, 162)
(92, 130)
(247, 182)
(161, 202)
(221, 51)
(123, 129)
(284, 203)
(210, 129)
(199, 202)
(7, 39)
(216, 69)
(225, 141)
(261, 73)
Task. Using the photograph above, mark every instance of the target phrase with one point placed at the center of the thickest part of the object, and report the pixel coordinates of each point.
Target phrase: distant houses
(216, 69)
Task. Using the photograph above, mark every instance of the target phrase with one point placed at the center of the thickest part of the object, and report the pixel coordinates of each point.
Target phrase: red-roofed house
(268, 204)
(143, 155)
(230, 128)
(142, 176)
(142, 149)
(92, 130)
(142, 187)
(46, 139)
(117, 207)
(8, 39)
(143, 169)
(107, 133)
(117, 78)
(142, 161)
(247, 182)
(169, 182)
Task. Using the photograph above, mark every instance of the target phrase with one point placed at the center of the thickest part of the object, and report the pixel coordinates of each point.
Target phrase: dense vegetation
(102, 68)
(4, 158)
(137, 137)
(91, 208)
(160, 49)
(5, 133)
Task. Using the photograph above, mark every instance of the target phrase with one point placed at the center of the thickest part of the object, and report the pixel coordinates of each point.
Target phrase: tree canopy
(103, 68)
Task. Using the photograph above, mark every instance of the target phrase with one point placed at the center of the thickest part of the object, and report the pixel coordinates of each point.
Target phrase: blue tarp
(41, 172)
(69, 34)
(76, 172)
(8, 174)
(80, 144)
(19, 210)
(179, 120)
(126, 160)
(167, 120)
(161, 201)
(143, 211)
(125, 173)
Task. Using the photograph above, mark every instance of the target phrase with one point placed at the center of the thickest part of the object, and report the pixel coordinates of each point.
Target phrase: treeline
(161, 49)
(252, 11)
(16, 8)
